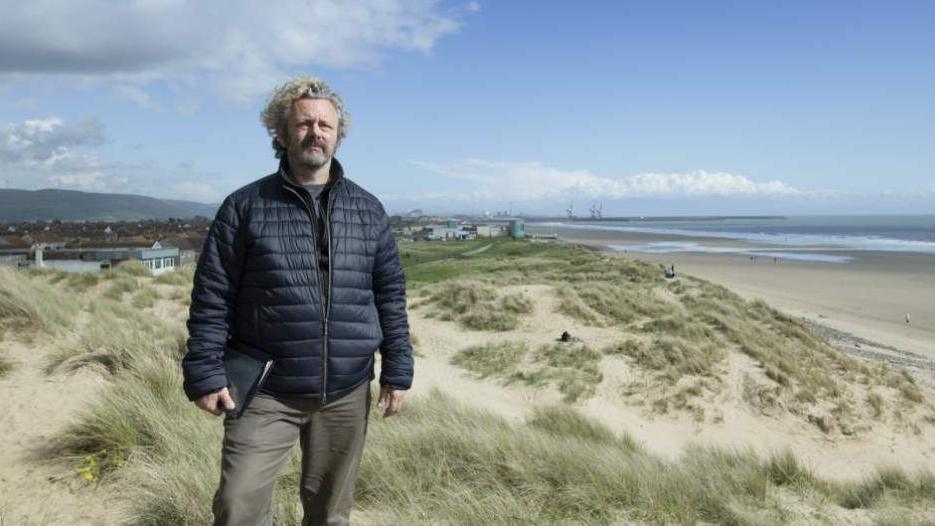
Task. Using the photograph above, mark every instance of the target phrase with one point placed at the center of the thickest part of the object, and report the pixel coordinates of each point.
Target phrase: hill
(73, 205)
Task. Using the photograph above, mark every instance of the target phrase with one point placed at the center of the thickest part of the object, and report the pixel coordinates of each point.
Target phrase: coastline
(867, 297)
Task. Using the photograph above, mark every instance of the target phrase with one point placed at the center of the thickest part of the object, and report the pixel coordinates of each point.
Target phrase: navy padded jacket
(256, 283)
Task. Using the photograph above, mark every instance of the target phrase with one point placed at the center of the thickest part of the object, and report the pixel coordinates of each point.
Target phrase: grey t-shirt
(314, 189)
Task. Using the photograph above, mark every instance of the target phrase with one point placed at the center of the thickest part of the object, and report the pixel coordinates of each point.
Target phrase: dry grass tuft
(573, 368)
(145, 298)
(476, 306)
(496, 359)
(122, 284)
(30, 306)
(180, 277)
(6, 365)
(116, 337)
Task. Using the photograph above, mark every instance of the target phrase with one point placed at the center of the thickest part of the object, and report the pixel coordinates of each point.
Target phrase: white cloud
(533, 180)
(238, 46)
(48, 140)
(54, 153)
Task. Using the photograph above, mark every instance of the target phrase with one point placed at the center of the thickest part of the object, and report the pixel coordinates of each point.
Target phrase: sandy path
(36, 490)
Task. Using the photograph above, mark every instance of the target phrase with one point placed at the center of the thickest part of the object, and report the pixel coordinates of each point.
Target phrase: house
(156, 258)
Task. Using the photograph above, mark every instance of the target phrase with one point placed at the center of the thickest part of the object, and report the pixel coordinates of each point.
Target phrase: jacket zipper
(324, 390)
(324, 360)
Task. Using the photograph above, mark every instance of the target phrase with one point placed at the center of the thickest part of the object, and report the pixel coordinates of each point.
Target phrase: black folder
(247, 369)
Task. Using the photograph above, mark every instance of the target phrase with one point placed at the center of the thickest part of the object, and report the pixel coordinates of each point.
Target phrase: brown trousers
(257, 444)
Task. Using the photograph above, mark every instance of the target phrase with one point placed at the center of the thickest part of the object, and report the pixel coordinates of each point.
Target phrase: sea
(807, 238)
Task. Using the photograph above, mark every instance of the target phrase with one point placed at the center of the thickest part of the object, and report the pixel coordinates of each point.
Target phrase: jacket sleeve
(389, 288)
(214, 295)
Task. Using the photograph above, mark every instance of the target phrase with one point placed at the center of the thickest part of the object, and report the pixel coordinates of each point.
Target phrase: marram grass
(30, 305)
(444, 462)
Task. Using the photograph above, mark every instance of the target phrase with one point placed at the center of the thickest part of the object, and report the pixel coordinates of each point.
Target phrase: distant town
(165, 244)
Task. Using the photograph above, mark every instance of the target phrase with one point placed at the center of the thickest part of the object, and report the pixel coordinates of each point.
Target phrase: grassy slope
(676, 332)
(438, 461)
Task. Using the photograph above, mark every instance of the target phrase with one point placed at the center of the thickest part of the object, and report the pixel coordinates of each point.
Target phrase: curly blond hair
(275, 115)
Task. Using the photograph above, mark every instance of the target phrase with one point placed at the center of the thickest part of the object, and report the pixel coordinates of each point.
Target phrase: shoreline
(862, 303)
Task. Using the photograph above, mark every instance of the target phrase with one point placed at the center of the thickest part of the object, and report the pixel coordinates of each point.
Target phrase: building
(517, 228)
(446, 233)
(485, 231)
(157, 259)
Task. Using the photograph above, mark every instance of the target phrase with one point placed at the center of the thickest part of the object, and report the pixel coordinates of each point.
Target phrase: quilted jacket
(257, 286)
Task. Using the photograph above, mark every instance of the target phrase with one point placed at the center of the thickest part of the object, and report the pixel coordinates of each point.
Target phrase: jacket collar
(336, 174)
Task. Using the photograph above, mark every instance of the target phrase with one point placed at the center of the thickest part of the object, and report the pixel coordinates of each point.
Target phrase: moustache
(312, 143)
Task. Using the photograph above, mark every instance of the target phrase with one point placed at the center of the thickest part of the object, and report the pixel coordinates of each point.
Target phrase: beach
(868, 296)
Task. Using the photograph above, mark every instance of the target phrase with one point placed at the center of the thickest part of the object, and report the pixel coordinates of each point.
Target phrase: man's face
(311, 136)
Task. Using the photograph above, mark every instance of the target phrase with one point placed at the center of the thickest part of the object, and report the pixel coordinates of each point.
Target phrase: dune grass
(145, 297)
(876, 402)
(445, 463)
(605, 302)
(181, 295)
(442, 462)
(30, 306)
(496, 359)
(181, 277)
(566, 422)
(573, 368)
(676, 332)
(82, 281)
(131, 268)
(120, 285)
(674, 357)
(573, 306)
(789, 354)
(6, 365)
(476, 306)
(117, 336)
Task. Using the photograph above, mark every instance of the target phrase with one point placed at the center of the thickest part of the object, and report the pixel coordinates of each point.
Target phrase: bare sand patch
(35, 489)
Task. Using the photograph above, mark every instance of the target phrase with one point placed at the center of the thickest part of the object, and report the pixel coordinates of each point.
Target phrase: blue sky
(648, 107)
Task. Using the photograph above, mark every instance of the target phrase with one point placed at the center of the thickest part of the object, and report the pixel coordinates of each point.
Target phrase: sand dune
(729, 420)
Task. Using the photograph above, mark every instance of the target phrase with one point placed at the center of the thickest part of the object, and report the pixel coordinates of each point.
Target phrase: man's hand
(391, 400)
(217, 402)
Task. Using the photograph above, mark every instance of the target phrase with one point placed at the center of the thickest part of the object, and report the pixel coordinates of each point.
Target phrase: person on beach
(302, 265)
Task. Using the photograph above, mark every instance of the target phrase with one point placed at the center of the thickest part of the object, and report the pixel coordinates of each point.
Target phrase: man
(302, 266)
